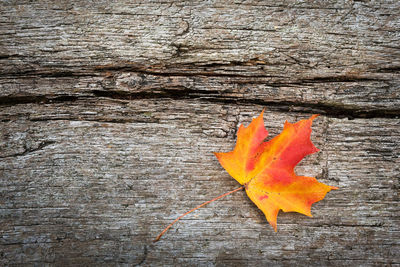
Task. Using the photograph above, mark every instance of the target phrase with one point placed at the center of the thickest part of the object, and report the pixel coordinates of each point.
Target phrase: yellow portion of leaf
(291, 194)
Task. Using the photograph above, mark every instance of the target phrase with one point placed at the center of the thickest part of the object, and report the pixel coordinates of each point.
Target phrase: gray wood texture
(110, 112)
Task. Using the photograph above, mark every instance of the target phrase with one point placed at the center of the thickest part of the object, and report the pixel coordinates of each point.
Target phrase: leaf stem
(199, 206)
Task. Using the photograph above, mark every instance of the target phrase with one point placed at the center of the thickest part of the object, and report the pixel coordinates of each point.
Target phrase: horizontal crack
(339, 78)
(27, 99)
(181, 71)
(207, 70)
(330, 110)
(181, 93)
(99, 119)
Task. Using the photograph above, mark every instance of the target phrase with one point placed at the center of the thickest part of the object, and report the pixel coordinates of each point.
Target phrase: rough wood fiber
(110, 111)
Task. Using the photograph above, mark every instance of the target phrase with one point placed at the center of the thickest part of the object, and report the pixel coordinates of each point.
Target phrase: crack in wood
(144, 257)
(29, 150)
(327, 109)
(214, 96)
(38, 99)
(208, 69)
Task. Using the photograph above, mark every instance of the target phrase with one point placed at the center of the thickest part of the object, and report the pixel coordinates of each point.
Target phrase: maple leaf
(266, 169)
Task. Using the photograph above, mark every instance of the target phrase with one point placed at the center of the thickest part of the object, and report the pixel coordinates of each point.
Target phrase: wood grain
(110, 112)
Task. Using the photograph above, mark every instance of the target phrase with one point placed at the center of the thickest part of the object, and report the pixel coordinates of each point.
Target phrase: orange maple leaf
(266, 169)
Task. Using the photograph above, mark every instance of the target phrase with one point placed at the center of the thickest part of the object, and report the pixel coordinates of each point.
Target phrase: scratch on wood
(30, 150)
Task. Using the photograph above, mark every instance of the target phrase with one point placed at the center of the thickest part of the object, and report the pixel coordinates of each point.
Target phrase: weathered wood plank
(332, 56)
(370, 98)
(88, 192)
(273, 38)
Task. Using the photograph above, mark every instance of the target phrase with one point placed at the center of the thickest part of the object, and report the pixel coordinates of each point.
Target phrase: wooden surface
(110, 112)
